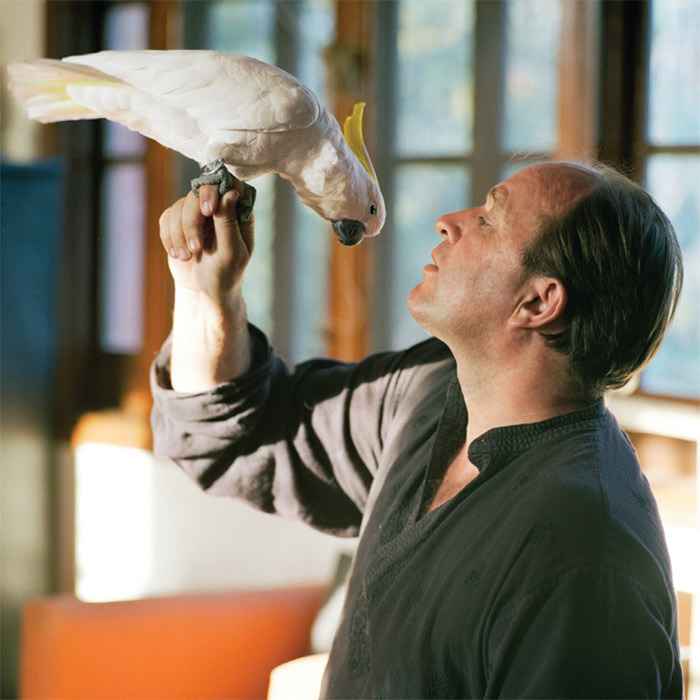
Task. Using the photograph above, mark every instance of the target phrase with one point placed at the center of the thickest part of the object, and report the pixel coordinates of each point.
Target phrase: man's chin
(419, 307)
(413, 300)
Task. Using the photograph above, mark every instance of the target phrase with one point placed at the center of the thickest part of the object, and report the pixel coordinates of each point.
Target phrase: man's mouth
(431, 267)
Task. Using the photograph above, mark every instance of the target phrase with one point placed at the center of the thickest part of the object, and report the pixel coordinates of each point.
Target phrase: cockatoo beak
(349, 231)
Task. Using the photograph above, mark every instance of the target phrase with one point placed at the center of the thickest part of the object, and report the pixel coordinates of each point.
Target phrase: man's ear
(542, 305)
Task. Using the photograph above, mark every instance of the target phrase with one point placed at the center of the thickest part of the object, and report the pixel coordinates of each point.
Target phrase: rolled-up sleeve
(304, 444)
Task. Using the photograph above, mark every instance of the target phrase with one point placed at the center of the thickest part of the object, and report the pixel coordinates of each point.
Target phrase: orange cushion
(217, 645)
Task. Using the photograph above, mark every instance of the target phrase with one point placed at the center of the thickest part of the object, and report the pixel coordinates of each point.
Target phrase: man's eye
(482, 221)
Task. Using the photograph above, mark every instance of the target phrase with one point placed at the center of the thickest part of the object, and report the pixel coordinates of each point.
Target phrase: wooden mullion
(161, 180)
(286, 41)
(383, 151)
(489, 96)
(579, 71)
(461, 159)
(77, 144)
(622, 104)
(647, 149)
(129, 375)
(349, 312)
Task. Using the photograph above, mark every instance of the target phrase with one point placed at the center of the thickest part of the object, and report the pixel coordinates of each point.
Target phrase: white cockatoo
(228, 113)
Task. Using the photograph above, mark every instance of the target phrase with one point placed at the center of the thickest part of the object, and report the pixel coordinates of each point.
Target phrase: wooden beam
(161, 176)
(349, 312)
(623, 45)
(579, 83)
(129, 425)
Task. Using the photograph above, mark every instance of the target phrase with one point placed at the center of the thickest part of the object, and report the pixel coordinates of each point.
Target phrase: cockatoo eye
(372, 209)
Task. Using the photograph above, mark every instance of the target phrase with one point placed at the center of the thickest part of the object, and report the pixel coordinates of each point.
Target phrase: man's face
(476, 279)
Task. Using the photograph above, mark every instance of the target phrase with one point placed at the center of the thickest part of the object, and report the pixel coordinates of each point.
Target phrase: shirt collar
(499, 446)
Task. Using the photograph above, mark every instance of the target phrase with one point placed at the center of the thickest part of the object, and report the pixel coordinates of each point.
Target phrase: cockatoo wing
(196, 102)
(222, 91)
(41, 84)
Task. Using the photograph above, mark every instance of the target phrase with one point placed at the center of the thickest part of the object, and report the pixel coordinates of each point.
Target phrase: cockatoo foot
(244, 208)
(216, 173)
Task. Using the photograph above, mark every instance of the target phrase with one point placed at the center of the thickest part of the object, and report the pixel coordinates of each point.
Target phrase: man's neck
(513, 393)
(527, 388)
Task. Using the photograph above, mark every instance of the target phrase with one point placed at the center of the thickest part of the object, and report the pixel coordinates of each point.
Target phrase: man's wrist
(192, 304)
(211, 344)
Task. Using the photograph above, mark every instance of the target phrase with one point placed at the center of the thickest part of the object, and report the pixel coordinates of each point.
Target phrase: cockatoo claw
(244, 208)
(216, 173)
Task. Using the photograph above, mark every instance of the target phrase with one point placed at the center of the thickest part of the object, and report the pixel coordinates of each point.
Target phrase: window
(670, 157)
(465, 93)
(121, 249)
(103, 276)
(471, 97)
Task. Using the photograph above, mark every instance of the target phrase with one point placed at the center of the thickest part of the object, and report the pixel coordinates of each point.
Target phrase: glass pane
(122, 258)
(674, 181)
(126, 26)
(312, 240)
(258, 280)
(674, 73)
(415, 235)
(245, 27)
(316, 26)
(531, 92)
(120, 142)
(126, 29)
(312, 236)
(434, 76)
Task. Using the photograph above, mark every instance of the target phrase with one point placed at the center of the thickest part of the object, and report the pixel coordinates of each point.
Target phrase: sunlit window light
(113, 522)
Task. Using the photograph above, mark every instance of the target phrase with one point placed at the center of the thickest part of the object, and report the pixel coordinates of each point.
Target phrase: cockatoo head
(364, 215)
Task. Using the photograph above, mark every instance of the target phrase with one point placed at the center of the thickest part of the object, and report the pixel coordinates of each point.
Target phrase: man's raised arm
(208, 251)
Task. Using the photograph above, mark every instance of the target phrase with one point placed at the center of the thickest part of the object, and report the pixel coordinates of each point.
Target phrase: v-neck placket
(490, 452)
(448, 439)
(450, 435)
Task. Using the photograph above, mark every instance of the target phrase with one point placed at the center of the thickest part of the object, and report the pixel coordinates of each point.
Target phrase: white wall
(22, 26)
(143, 528)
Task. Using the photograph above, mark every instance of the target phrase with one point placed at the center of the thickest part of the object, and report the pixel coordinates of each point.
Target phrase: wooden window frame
(89, 378)
(625, 40)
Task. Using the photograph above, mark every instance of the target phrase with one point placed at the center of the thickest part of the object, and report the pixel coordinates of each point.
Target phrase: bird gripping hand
(216, 173)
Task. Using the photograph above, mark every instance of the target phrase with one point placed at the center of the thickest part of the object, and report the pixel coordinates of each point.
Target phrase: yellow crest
(353, 135)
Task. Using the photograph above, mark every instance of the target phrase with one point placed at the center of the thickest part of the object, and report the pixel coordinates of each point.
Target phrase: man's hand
(208, 250)
(208, 247)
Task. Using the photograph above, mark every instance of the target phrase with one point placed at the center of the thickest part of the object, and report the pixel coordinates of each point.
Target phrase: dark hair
(618, 257)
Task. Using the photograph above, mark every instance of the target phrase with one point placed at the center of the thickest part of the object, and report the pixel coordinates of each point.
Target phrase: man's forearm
(210, 343)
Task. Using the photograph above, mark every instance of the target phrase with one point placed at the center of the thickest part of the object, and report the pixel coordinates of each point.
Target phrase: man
(518, 553)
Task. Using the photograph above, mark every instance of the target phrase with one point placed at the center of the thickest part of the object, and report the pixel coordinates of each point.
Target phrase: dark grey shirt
(547, 576)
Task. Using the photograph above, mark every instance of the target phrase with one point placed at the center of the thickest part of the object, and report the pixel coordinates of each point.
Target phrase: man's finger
(226, 225)
(177, 235)
(208, 199)
(193, 221)
(164, 230)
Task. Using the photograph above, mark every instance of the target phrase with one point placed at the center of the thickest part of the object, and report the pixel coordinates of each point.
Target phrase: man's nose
(447, 228)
